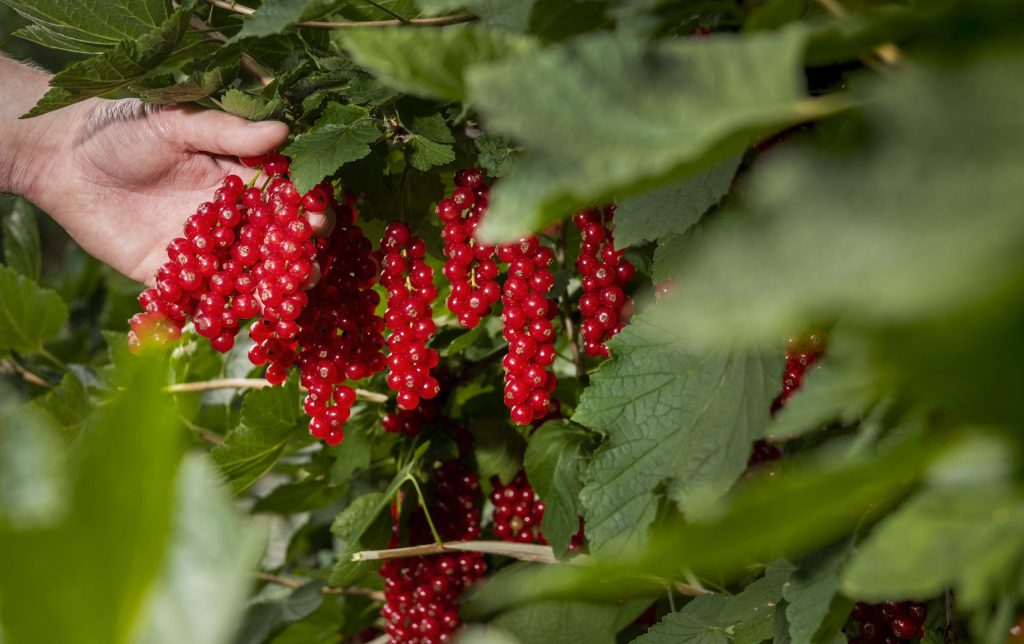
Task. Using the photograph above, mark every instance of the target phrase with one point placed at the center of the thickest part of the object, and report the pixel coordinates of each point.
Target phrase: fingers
(322, 222)
(221, 133)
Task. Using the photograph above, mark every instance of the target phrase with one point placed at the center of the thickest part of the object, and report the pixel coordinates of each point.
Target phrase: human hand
(128, 175)
(122, 176)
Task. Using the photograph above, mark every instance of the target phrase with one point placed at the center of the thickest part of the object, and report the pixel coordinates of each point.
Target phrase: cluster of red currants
(469, 265)
(341, 336)
(518, 511)
(422, 593)
(527, 315)
(250, 253)
(411, 292)
(888, 623)
(605, 273)
(247, 250)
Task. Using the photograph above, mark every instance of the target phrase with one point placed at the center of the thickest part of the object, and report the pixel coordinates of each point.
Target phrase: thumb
(221, 133)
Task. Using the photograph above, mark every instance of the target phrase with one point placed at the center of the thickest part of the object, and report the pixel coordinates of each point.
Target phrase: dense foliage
(748, 371)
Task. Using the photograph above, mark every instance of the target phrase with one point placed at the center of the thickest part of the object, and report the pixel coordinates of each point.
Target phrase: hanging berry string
(605, 273)
(411, 293)
(527, 314)
(518, 513)
(469, 265)
(341, 335)
(422, 593)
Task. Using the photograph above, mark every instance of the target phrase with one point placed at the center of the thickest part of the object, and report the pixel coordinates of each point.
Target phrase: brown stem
(375, 595)
(439, 21)
(521, 551)
(27, 375)
(252, 383)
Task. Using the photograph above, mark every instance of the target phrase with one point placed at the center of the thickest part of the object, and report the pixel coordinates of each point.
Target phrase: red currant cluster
(469, 265)
(518, 511)
(888, 623)
(801, 353)
(527, 314)
(422, 593)
(247, 248)
(341, 336)
(411, 294)
(604, 306)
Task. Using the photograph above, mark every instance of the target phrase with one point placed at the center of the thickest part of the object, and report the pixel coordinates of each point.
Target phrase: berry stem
(252, 383)
(375, 595)
(520, 551)
(54, 359)
(426, 512)
(255, 178)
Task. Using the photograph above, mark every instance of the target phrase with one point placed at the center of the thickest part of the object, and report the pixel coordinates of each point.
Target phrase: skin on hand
(122, 176)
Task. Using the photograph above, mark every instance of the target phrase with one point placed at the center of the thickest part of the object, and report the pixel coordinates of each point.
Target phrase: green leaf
(663, 112)
(508, 15)
(114, 69)
(811, 590)
(91, 22)
(197, 86)
(109, 549)
(556, 457)
(774, 14)
(429, 62)
(269, 420)
(673, 250)
(760, 596)
(33, 479)
(354, 453)
(248, 106)
(67, 405)
(364, 524)
(208, 567)
(562, 623)
(881, 253)
(696, 623)
(43, 35)
(672, 208)
(341, 135)
(673, 415)
(493, 154)
(959, 538)
(497, 446)
(21, 239)
(425, 154)
(29, 313)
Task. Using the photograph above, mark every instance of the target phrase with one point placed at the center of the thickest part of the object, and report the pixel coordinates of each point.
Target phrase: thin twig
(439, 21)
(521, 551)
(383, 639)
(375, 595)
(252, 383)
(246, 62)
(27, 375)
